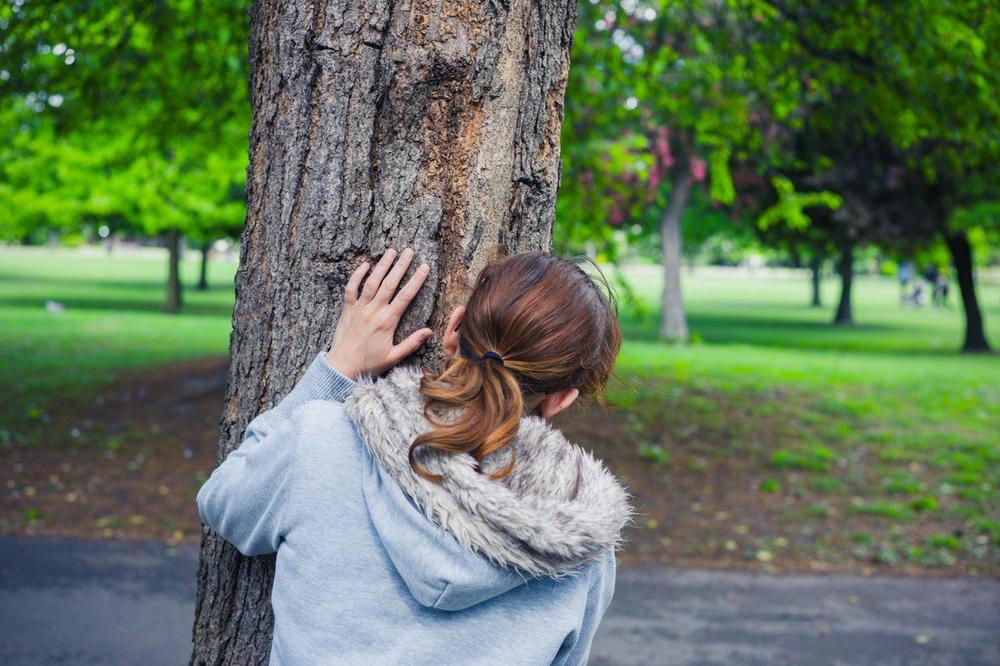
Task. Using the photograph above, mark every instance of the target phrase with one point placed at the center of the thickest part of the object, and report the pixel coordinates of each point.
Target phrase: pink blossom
(698, 169)
(661, 147)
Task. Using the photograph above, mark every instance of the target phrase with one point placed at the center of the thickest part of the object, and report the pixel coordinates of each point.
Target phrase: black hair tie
(493, 355)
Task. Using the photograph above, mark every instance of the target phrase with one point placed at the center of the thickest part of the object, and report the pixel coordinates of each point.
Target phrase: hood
(468, 538)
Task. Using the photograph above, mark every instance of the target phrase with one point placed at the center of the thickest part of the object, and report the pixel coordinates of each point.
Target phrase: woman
(421, 518)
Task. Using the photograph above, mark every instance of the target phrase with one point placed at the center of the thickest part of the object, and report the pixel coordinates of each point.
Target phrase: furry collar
(558, 510)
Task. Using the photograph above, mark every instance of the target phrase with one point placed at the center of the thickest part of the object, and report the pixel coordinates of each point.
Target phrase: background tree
(374, 126)
(918, 75)
(668, 92)
(151, 95)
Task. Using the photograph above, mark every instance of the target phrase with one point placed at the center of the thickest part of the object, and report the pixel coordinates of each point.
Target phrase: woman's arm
(245, 498)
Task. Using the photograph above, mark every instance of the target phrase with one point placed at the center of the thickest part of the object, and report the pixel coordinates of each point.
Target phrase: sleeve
(576, 649)
(244, 499)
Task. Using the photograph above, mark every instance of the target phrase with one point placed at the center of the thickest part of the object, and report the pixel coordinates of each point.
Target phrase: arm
(246, 497)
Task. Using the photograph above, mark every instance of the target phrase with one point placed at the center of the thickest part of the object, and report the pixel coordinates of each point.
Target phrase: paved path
(69, 602)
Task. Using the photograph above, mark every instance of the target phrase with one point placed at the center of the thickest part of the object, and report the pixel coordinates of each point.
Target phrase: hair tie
(493, 355)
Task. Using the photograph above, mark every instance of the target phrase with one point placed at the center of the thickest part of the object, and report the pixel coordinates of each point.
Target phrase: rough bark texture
(845, 269)
(961, 257)
(376, 124)
(673, 321)
(206, 247)
(174, 288)
(815, 274)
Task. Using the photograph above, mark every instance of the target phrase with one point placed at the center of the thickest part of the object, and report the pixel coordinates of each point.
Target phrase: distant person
(931, 274)
(942, 286)
(905, 274)
(426, 517)
(915, 297)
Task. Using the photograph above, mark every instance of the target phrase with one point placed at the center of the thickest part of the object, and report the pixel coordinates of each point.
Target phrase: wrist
(341, 365)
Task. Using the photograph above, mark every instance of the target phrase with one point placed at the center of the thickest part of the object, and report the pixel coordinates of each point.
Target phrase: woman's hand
(362, 342)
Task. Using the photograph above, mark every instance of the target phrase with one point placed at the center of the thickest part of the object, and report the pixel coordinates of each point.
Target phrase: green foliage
(132, 115)
(791, 206)
(656, 91)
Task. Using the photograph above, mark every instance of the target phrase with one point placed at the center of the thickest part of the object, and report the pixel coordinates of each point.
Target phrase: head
(557, 334)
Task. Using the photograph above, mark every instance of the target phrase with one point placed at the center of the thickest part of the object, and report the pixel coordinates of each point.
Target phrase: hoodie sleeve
(576, 648)
(244, 499)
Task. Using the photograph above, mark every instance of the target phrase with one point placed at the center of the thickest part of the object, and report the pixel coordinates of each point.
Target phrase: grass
(113, 321)
(881, 424)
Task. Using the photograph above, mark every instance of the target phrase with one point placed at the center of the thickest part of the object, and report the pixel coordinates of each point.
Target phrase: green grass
(113, 320)
(882, 421)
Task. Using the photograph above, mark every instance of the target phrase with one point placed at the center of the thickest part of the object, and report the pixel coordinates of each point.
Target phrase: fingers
(391, 281)
(351, 290)
(409, 345)
(375, 279)
(409, 290)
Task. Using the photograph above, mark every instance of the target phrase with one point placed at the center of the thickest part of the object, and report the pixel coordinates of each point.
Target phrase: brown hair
(553, 328)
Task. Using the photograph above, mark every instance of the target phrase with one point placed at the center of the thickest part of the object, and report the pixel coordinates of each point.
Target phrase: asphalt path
(79, 602)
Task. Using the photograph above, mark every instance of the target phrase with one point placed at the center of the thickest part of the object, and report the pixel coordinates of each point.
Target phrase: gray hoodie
(376, 565)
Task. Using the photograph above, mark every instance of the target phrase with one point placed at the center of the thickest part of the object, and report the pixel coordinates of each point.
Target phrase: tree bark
(961, 257)
(815, 273)
(673, 322)
(375, 125)
(206, 247)
(175, 296)
(845, 269)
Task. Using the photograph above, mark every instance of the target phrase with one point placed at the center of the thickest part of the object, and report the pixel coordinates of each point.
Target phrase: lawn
(773, 437)
(873, 444)
(113, 320)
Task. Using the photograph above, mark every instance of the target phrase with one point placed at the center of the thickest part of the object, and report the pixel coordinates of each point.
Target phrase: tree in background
(918, 75)
(375, 126)
(133, 113)
(662, 96)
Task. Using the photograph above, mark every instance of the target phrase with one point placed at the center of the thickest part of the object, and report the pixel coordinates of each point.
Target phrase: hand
(362, 342)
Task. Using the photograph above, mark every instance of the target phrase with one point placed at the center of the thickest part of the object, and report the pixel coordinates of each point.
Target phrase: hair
(553, 328)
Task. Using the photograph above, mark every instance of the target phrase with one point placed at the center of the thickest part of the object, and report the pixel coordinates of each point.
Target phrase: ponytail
(493, 405)
(534, 324)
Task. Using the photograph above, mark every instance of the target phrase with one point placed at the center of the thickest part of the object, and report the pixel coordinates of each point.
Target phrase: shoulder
(320, 420)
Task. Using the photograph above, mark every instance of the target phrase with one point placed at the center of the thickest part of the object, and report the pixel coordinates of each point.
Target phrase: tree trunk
(206, 246)
(375, 125)
(174, 289)
(845, 268)
(673, 322)
(815, 272)
(961, 257)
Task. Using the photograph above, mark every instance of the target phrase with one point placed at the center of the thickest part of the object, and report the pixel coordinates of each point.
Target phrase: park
(802, 243)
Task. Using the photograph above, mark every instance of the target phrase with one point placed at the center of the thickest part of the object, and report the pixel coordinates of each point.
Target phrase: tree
(374, 126)
(153, 97)
(923, 77)
(672, 92)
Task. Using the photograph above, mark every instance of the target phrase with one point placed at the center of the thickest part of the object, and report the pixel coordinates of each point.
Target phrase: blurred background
(796, 203)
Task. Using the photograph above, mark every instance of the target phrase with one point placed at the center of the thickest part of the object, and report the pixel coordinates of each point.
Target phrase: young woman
(429, 519)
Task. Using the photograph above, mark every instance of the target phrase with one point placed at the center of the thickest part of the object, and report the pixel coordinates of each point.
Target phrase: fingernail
(424, 268)
(407, 251)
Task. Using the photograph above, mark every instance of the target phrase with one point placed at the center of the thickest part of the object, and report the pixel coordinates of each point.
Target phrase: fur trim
(558, 510)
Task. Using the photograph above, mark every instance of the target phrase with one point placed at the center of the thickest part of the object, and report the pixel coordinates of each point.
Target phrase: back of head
(553, 328)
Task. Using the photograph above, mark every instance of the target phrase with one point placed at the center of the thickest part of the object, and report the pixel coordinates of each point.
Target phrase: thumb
(409, 344)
